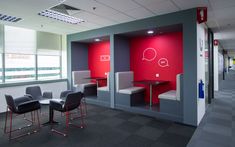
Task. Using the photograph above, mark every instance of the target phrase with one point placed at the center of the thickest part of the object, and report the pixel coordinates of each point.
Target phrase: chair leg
(39, 125)
(85, 106)
(10, 125)
(67, 122)
(82, 122)
(5, 128)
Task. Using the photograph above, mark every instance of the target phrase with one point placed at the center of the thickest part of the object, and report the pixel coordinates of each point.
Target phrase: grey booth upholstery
(103, 93)
(171, 101)
(127, 93)
(81, 84)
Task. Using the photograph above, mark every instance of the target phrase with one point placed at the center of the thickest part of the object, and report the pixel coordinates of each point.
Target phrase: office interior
(168, 67)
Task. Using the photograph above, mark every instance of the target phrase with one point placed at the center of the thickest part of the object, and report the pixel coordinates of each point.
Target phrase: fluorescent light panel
(9, 18)
(60, 16)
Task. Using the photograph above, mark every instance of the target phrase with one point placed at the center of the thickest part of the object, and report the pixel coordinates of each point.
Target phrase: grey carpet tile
(140, 119)
(129, 127)
(149, 133)
(218, 128)
(104, 128)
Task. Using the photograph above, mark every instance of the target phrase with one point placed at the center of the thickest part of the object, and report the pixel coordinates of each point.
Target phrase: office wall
(18, 91)
(216, 68)
(79, 60)
(157, 57)
(99, 58)
(201, 103)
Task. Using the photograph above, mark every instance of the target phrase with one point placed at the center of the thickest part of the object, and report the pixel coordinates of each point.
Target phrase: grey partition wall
(118, 61)
(79, 56)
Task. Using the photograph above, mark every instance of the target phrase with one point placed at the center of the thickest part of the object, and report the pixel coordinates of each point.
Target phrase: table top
(150, 82)
(47, 101)
(96, 78)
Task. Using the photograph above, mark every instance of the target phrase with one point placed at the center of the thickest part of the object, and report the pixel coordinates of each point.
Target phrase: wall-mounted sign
(216, 42)
(104, 58)
(201, 14)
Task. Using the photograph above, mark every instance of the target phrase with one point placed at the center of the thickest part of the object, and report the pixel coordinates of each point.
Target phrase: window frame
(3, 82)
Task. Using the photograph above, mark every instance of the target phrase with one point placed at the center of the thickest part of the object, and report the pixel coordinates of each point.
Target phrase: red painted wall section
(99, 59)
(162, 55)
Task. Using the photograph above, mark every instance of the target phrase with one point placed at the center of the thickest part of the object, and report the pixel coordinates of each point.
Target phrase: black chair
(83, 106)
(36, 93)
(72, 102)
(21, 105)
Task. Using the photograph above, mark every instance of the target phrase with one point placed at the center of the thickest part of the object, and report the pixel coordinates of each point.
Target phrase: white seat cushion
(170, 95)
(105, 88)
(81, 87)
(131, 90)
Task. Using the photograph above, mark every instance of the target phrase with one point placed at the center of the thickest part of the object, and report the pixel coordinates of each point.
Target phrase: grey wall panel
(79, 56)
(190, 68)
(121, 54)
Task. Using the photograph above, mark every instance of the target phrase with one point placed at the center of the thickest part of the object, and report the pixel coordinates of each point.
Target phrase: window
(48, 67)
(49, 55)
(1, 78)
(20, 49)
(28, 55)
(19, 67)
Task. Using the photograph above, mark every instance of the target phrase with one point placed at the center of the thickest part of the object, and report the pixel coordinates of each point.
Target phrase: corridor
(217, 129)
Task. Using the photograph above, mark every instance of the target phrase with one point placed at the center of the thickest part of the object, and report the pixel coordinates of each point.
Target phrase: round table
(51, 112)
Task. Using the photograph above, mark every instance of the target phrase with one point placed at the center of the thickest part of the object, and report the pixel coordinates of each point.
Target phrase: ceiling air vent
(9, 18)
(63, 13)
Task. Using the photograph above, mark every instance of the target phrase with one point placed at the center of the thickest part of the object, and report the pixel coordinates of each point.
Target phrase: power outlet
(157, 75)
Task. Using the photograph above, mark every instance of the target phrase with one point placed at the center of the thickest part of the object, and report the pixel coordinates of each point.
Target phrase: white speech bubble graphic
(163, 62)
(154, 52)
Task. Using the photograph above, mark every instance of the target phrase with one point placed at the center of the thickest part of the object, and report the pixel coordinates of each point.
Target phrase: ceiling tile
(186, 4)
(121, 5)
(163, 7)
(221, 4)
(139, 13)
(92, 18)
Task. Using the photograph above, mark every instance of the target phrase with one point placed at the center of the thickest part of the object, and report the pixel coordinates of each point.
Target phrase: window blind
(20, 40)
(48, 43)
(1, 38)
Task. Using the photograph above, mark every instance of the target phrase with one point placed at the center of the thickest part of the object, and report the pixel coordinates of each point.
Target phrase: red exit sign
(201, 14)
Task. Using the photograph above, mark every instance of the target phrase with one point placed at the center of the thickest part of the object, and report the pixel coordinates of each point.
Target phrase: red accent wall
(168, 46)
(97, 59)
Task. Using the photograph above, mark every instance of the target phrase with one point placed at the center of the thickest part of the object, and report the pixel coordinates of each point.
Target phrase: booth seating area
(171, 101)
(81, 82)
(103, 93)
(127, 93)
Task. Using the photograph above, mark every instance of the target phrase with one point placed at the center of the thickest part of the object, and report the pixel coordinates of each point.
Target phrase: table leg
(51, 116)
(150, 95)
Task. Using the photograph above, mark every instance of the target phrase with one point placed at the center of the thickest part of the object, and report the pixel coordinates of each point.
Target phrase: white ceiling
(221, 16)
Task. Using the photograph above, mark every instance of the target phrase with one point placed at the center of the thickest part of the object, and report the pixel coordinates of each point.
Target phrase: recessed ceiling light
(150, 32)
(60, 16)
(97, 40)
(9, 18)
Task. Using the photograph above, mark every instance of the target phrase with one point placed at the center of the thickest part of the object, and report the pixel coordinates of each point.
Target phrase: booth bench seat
(126, 93)
(103, 93)
(131, 90)
(171, 101)
(81, 84)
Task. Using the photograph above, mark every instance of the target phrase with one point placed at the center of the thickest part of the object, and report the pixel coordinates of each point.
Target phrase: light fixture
(60, 16)
(150, 31)
(97, 40)
(9, 18)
